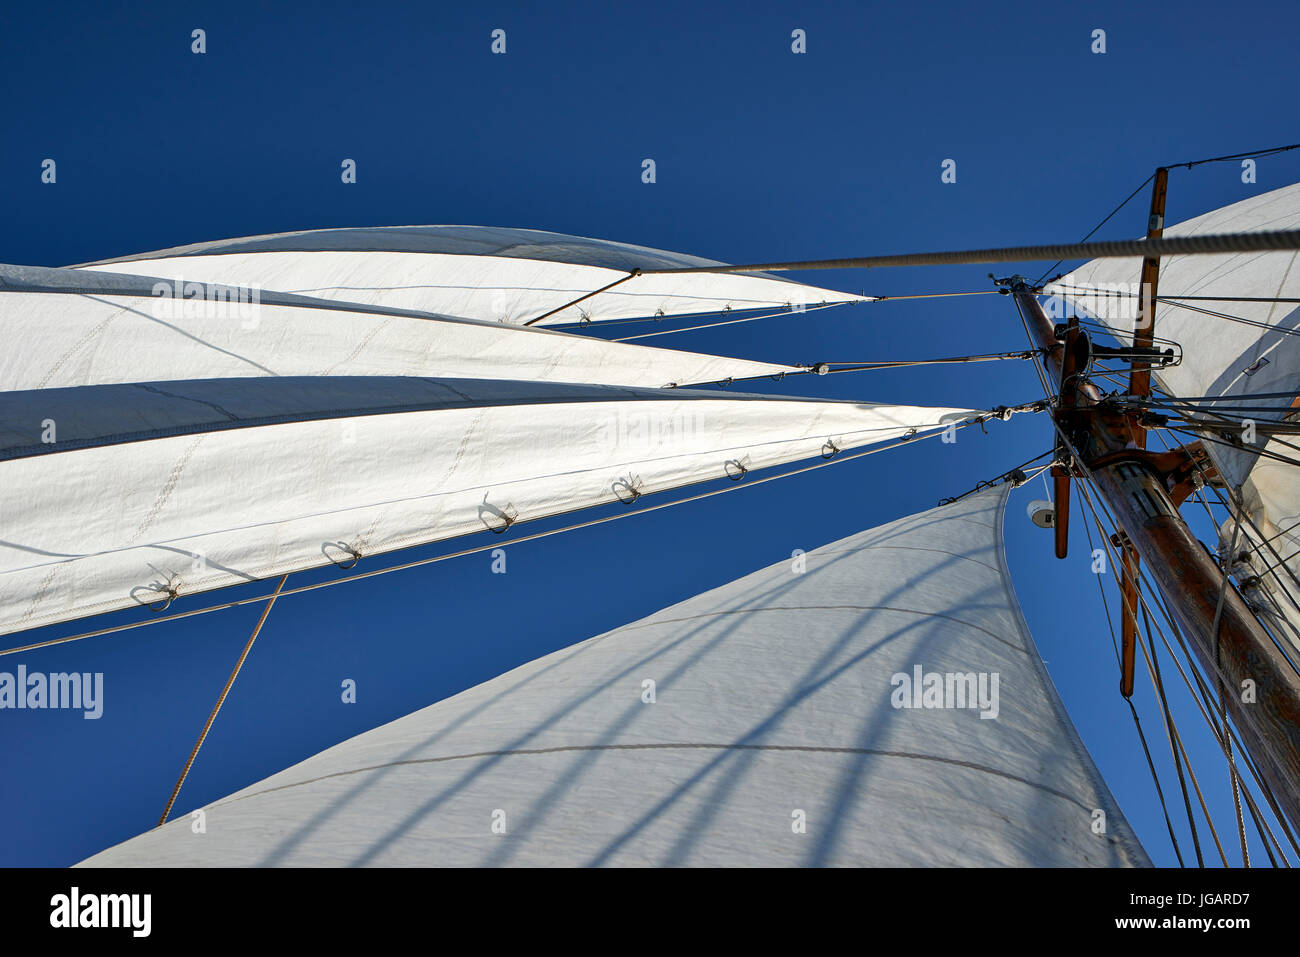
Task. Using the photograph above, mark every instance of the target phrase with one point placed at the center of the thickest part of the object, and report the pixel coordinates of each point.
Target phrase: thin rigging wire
(1129, 198)
(1099, 225)
(1176, 747)
(730, 322)
(1179, 302)
(1167, 718)
(1218, 159)
(789, 310)
(1102, 293)
(1146, 749)
(868, 366)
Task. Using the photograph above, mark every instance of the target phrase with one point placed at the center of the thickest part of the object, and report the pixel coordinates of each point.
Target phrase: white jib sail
(480, 272)
(1257, 355)
(785, 729)
(120, 495)
(67, 327)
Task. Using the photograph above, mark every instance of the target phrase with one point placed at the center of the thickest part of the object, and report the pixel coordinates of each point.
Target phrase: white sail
(773, 738)
(119, 495)
(1263, 548)
(68, 327)
(1222, 357)
(481, 272)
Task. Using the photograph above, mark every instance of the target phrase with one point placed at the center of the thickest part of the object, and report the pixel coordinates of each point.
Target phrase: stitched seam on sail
(360, 346)
(166, 492)
(39, 596)
(89, 337)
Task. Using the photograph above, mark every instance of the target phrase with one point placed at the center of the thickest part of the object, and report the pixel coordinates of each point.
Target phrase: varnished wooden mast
(1136, 485)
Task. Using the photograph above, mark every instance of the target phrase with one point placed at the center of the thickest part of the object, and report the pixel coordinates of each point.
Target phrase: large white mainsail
(125, 494)
(67, 327)
(1258, 356)
(480, 272)
(775, 737)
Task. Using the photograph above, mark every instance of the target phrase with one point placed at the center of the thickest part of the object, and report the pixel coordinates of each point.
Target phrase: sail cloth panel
(67, 327)
(154, 488)
(481, 272)
(1225, 358)
(773, 739)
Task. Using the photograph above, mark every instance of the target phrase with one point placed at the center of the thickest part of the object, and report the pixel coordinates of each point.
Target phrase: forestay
(480, 272)
(775, 736)
(120, 495)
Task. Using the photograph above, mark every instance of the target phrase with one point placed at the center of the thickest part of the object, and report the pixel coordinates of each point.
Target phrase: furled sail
(1255, 353)
(480, 272)
(124, 494)
(790, 725)
(66, 327)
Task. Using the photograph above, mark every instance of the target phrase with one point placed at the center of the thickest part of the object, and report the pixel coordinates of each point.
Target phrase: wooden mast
(1137, 486)
(1139, 386)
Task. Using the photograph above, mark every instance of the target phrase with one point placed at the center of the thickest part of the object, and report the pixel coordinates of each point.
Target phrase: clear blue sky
(761, 154)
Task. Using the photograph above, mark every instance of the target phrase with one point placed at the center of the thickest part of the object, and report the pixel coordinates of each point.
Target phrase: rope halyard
(595, 292)
(248, 646)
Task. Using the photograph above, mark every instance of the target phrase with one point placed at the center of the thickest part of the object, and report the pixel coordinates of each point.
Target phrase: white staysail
(777, 736)
(480, 272)
(1257, 355)
(121, 495)
(66, 327)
